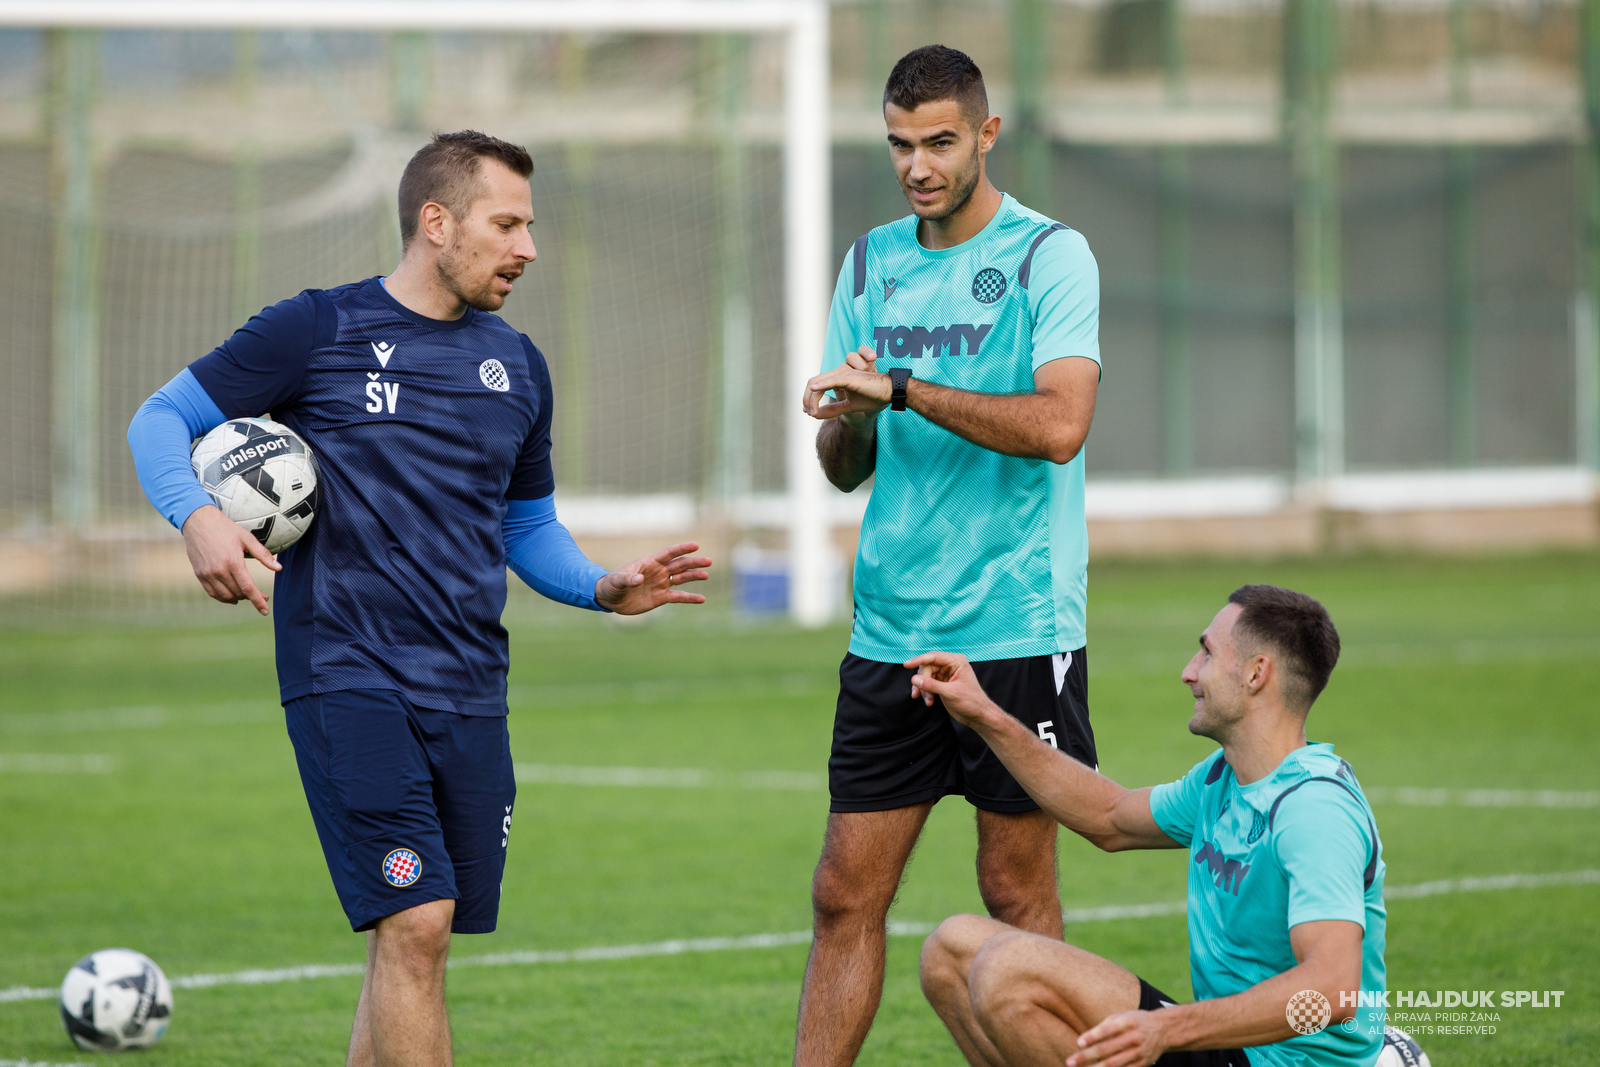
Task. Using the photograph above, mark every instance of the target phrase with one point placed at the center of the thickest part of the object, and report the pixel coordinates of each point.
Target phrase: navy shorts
(411, 804)
(890, 751)
(1152, 999)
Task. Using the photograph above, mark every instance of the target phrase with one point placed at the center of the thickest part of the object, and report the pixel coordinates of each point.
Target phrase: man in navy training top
(1285, 896)
(430, 421)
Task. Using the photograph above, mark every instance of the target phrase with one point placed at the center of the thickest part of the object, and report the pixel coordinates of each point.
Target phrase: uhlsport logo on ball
(262, 475)
(402, 867)
(1308, 1012)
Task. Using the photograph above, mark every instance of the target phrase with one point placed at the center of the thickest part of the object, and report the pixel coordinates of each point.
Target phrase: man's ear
(988, 132)
(433, 224)
(1259, 671)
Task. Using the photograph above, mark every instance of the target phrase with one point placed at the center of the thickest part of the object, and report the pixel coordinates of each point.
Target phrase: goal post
(803, 141)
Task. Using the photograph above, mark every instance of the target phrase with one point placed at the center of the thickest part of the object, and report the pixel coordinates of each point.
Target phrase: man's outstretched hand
(948, 676)
(217, 550)
(652, 581)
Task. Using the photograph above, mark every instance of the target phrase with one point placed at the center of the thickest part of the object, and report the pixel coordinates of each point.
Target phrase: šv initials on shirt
(381, 393)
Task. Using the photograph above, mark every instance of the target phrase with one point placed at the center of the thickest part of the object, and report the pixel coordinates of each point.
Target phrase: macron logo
(383, 350)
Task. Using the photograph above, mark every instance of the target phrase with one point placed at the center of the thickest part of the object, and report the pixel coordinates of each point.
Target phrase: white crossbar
(682, 16)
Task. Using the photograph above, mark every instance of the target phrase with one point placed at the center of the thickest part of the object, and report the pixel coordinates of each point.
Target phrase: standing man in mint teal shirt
(964, 352)
(1285, 904)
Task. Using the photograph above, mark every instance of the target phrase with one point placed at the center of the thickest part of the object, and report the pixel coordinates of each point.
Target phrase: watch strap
(898, 377)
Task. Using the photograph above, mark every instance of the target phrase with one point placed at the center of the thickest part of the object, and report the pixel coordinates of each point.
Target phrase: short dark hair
(934, 72)
(1297, 628)
(445, 171)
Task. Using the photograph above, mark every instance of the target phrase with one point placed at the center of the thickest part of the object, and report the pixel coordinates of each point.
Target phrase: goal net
(169, 168)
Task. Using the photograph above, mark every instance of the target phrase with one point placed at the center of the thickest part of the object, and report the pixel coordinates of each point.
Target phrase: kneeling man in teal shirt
(1285, 907)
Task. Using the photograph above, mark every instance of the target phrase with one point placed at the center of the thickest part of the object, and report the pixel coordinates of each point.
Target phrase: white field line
(1479, 885)
(808, 781)
(897, 928)
(1483, 798)
(670, 777)
(39, 1063)
(1124, 911)
(55, 763)
(140, 718)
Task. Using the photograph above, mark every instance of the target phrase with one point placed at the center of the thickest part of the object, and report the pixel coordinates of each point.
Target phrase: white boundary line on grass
(810, 781)
(1482, 798)
(897, 928)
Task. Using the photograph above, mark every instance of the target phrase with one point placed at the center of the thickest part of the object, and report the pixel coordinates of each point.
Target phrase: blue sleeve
(542, 553)
(258, 370)
(1322, 840)
(534, 477)
(844, 335)
(1175, 806)
(160, 435)
(1064, 299)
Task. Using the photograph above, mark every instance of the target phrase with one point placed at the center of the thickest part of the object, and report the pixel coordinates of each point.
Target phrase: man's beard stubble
(965, 184)
(483, 298)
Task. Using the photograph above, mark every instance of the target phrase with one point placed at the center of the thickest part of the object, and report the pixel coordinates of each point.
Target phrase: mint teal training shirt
(1297, 846)
(963, 549)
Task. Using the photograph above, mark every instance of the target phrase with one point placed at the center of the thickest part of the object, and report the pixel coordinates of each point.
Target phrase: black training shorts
(890, 751)
(1152, 999)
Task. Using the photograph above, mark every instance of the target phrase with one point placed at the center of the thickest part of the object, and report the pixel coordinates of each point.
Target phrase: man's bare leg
(1017, 870)
(361, 1030)
(400, 1019)
(947, 957)
(1032, 996)
(863, 857)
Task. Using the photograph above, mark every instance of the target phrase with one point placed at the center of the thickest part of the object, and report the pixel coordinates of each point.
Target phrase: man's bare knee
(417, 939)
(1017, 869)
(862, 861)
(1011, 896)
(999, 958)
(840, 895)
(948, 951)
(1001, 981)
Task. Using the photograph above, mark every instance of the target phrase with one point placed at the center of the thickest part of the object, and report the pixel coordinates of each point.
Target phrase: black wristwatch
(898, 377)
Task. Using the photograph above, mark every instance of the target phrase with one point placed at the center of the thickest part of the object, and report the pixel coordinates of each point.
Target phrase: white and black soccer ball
(115, 999)
(1400, 1049)
(262, 476)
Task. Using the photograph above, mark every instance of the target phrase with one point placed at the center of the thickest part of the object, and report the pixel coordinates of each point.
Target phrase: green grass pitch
(197, 848)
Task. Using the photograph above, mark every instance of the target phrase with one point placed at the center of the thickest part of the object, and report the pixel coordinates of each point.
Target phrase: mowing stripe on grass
(897, 928)
(55, 763)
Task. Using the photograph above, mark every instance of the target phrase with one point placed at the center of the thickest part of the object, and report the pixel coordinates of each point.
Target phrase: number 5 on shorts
(1046, 735)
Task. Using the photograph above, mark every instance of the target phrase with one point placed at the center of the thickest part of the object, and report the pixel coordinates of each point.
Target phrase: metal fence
(1332, 237)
